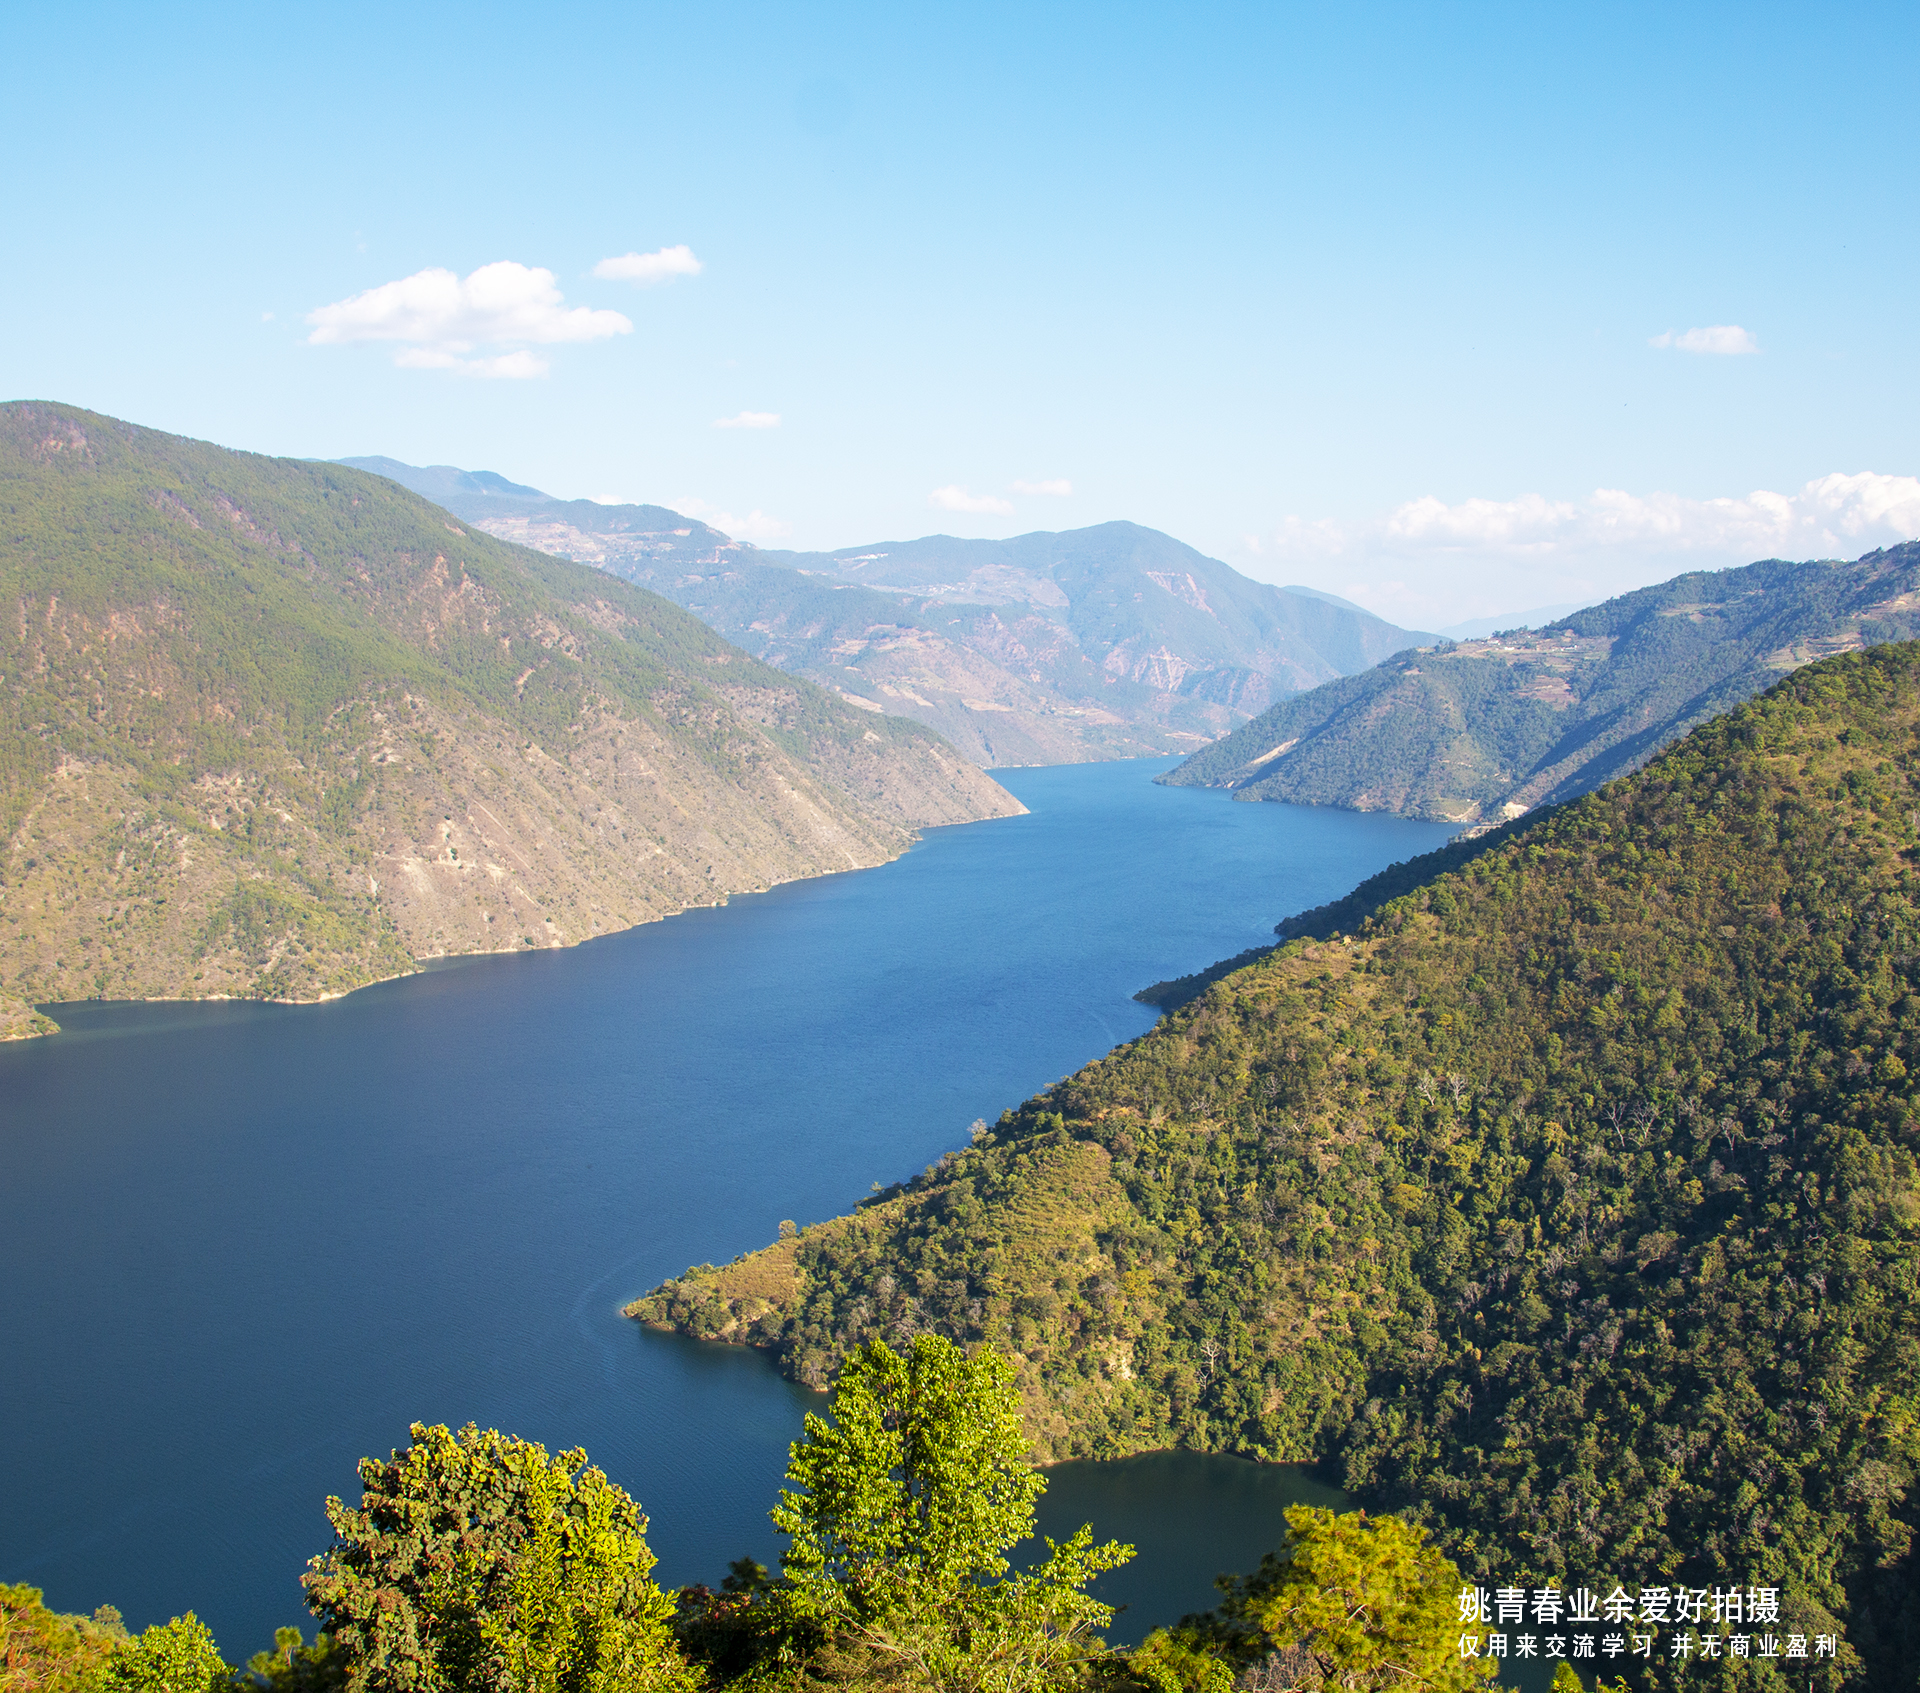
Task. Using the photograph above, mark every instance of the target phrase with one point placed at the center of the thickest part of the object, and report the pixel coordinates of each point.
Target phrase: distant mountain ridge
(1111, 641)
(600, 535)
(275, 729)
(1477, 731)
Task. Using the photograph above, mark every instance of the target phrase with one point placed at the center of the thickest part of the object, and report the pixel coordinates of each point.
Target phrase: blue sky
(1363, 297)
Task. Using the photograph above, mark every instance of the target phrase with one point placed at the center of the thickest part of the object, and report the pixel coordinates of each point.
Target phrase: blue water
(242, 1245)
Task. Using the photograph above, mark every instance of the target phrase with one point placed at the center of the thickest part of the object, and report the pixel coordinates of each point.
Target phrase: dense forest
(1345, 914)
(1570, 1206)
(275, 729)
(1482, 730)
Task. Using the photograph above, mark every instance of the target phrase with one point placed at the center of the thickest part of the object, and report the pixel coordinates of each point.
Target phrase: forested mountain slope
(1110, 642)
(1573, 1203)
(277, 729)
(1490, 728)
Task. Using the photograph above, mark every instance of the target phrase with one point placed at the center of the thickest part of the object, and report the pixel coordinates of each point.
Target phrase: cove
(245, 1244)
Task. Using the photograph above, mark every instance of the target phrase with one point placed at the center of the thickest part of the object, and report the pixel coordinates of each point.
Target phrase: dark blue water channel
(241, 1245)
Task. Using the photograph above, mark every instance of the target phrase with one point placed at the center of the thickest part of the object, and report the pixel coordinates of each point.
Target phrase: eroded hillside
(1478, 731)
(1114, 641)
(278, 729)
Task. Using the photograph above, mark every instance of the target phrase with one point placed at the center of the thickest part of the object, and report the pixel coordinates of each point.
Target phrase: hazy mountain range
(1490, 728)
(1112, 641)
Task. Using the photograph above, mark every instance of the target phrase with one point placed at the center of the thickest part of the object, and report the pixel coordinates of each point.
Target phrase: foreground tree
(1364, 1603)
(171, 1657)
(294, 1667)
(47, 1651)
(903, 1509)
(476, 1563)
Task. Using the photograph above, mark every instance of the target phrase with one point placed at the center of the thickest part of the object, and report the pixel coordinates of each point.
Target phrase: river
(244, 1244)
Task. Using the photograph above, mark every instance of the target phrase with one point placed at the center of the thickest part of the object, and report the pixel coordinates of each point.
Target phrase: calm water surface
(242, 1244)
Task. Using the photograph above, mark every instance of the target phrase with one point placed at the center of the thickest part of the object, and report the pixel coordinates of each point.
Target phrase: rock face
(1110, 642)
(278, 729)
(1485, 730)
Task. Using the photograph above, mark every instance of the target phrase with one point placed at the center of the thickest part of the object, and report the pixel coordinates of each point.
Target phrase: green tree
(1371, 1604)
(292, 1667)
(178, 1656)
(903, 1510)
(476, 1563)
(47, 1651)
(1174, 1660)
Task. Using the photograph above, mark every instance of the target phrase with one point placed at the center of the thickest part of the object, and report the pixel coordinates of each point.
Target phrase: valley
(1110, 642)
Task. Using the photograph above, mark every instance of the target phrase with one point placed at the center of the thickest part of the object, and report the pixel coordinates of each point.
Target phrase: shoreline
(35, 1012)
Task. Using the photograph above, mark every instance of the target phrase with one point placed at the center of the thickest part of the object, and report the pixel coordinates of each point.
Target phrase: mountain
(277, 729)
(1488, 729)
(587, 532)
(1478, 628)
(1110, 642)
(1573, 1205)
(1324, 597)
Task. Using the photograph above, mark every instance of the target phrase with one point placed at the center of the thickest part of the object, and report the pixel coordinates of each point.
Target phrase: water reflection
(1192, 1515)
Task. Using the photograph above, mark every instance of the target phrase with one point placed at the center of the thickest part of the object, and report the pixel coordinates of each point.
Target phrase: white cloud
(756, 526)
(1429, 562)
(1829, 516)
(1715, 338)
(515, 366)
(955, 498)
(749, 420)
(1058, 486)
(445, 318)
(647, 268)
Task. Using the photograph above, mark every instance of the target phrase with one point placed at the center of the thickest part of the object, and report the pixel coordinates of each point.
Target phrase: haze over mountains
(276, 729)
(1109, 642)
(1490, 728)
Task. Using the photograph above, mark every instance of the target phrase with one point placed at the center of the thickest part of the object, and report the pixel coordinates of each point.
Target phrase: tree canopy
(178, 1656)
(919, 1478)
(476, 1563)
(903, 1509)
(1370, 1604)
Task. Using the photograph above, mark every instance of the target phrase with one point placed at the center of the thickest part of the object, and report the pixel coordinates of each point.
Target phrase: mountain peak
(1114, 640)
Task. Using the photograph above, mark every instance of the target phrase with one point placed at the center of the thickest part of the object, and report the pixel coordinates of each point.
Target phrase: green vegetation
(1348, 1601)
(1571, 1207)
(1487, 729)
(178, 1656)
(902, 1512)
(477, 1562)
(274, 728)
(46, 1651)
